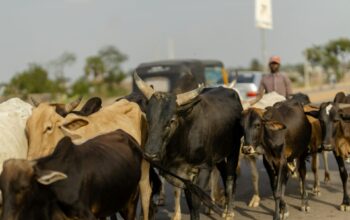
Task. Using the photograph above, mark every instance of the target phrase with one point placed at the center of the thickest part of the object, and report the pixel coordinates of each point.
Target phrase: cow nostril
(151, 156)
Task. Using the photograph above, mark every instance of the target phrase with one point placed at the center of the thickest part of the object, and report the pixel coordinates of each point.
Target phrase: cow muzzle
(327, 147)
(152, 157)
(248, 149)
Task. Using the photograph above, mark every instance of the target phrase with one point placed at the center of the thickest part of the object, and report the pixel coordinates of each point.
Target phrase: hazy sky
(41, 30)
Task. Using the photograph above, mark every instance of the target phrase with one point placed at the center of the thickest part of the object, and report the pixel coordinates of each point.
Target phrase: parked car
(248, 83)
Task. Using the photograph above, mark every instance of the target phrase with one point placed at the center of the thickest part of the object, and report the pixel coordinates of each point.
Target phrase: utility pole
(263, 50)
(263, 19)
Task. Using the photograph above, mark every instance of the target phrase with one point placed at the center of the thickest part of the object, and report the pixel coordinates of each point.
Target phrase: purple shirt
(275, 82)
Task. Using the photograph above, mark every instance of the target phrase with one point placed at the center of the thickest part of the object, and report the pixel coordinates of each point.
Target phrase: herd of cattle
(63, 164)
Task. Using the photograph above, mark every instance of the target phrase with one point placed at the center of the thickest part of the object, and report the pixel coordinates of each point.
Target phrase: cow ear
(75, 124)
(47, 177)
(91, 106)
(314, 114)
(274, 125)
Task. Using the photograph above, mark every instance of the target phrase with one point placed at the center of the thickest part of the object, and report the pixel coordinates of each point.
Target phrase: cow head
(164, 112)
(260, 132)
(333, 120)
(24, 187)
(42, 127)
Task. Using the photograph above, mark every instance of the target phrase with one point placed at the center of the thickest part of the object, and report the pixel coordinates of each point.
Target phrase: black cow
(300, 97)
(194, 130)
(336, 136)
(281, 134)
(88, 181)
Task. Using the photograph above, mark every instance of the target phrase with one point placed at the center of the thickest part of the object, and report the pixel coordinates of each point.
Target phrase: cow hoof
(305, 208)
(228, 215)
(254, 202)
(344, 208)
(327, 178)
(177, 216)
(284, 215)
(316, 191)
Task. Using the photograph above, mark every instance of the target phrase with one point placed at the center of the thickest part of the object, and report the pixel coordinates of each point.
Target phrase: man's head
(274, 64)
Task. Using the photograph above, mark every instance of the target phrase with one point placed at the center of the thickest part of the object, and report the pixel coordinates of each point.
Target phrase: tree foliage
(33, 80)
(333, 55)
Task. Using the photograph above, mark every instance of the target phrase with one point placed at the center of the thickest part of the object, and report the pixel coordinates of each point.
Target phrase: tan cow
(46, 127)
(315, 143)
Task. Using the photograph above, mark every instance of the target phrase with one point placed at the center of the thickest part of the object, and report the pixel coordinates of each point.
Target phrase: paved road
(324, 207)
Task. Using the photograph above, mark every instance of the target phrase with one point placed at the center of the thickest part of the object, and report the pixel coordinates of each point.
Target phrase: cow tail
(155, 181)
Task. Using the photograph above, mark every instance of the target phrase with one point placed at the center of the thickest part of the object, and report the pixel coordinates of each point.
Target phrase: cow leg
(231, 167)
(273, 183)
(177, 201)
(281, 210)
(216, 191)
(193, 204)
(145, 189)
(161, 198)
(327, 177)
(302, 173)
(314, 167)
(254, 202)
(345, 206)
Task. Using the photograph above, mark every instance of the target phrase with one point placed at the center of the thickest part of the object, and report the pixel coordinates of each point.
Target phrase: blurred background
(59, 49)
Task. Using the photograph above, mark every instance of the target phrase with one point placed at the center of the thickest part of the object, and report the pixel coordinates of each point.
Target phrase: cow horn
(232, 84)
(35, 103)
(184, 98)
(71, 106)
(144, 88)
(344, 105)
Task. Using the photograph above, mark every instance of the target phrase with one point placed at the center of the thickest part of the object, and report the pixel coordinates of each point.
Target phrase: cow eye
(257, 125)
(48, 129)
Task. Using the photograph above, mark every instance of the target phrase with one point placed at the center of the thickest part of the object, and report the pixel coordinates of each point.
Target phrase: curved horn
(344, 105)
(35, 103)
(184, 98)
(232, 84)
(71, 106)
(144, 88)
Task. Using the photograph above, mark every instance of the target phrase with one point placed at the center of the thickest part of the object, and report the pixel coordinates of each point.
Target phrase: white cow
(13, 141)
(13, 116)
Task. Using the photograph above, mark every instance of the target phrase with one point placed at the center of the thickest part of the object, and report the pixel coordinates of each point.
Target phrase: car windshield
(245, 78)
(213, 75)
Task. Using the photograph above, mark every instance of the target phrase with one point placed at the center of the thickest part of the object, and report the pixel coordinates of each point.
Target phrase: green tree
(81, 86)
(95, 66)
(58, 66)
(333, 55)
(112, 59)
(33, 80)
(255, 65)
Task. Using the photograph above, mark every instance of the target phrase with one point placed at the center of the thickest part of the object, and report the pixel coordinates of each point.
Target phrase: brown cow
(282, 134)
